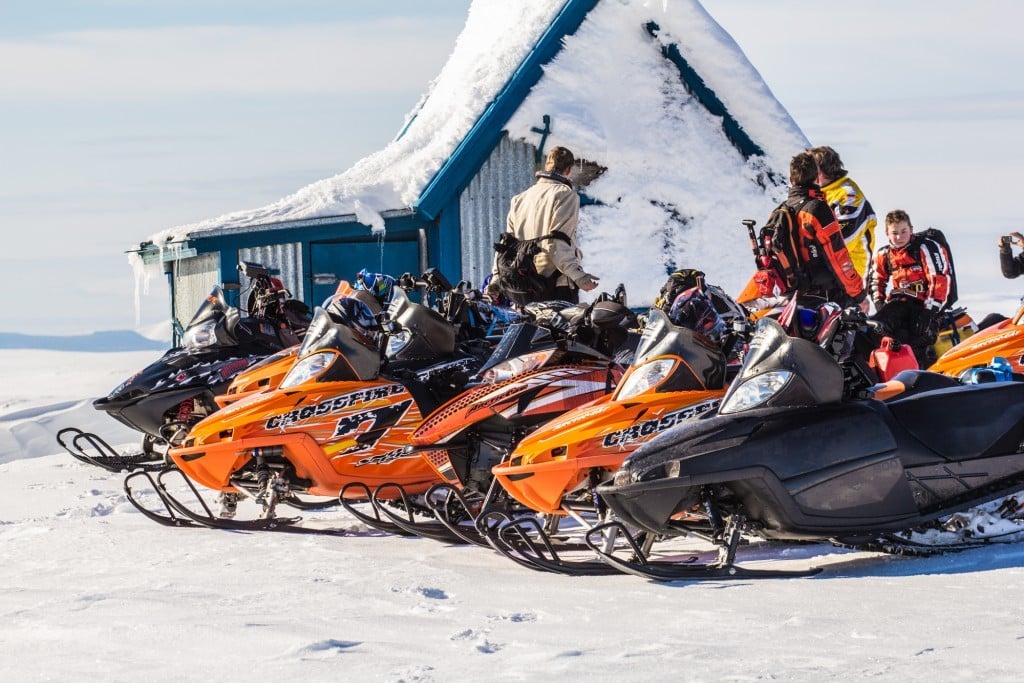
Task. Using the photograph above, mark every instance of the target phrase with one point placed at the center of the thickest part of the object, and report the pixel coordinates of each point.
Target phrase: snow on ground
(91, 590)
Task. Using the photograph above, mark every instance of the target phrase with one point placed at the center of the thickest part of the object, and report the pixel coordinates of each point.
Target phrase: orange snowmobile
(1004, 339)
(341, 416)
(565, 358)
(679, 371)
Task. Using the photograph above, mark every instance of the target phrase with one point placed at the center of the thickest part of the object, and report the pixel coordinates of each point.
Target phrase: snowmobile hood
(429, 334)
(179, 369)
(810, 376)
(704, 361)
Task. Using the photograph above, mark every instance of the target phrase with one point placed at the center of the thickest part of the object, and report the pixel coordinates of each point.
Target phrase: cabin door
(335, 261)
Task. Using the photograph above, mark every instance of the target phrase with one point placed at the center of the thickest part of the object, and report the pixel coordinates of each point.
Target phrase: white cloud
(372, 56)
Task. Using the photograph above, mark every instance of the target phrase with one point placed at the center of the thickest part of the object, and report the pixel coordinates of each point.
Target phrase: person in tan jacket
(551, 205)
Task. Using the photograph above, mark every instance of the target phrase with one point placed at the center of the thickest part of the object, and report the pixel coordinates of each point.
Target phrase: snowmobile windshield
(780, 370)
(703, 361)
(357, 358)
(520, 339)
(214, 306)
(421, 332)
(213, 324)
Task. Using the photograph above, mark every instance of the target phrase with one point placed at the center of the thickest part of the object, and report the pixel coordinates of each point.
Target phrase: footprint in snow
(328, 647)
(488, 648)
(431, 593)
(480, 637)
(515, 617)
(414, 674)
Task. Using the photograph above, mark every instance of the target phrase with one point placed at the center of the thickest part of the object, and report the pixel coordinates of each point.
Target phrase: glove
(587, 282)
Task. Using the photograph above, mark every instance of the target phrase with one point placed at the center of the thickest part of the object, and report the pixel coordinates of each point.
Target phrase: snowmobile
(565, 357)
(342, 416)
(803, 449)
(1004, 339)
(680, 370)
(167, 397)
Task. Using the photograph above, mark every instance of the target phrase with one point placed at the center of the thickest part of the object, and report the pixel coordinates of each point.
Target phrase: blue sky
(120, 119)
(124, 118)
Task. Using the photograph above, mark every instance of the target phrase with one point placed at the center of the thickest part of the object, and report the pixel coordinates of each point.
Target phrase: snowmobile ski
(179, 513)
(407, 522)
(525, 541)
(166, 517)
(724, 568)
(349, 502)
(102, 454)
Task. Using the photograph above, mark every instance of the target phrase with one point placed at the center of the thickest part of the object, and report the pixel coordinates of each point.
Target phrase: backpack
(778, 256)
(677, 283)
(941, 256)
(943, 253)
(515, 273)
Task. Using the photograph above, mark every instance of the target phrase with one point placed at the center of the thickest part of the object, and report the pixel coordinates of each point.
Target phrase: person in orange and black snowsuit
(826, 268)
(919, 271)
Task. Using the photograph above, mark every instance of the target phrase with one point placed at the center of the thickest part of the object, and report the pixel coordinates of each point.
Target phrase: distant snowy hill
(115, 340)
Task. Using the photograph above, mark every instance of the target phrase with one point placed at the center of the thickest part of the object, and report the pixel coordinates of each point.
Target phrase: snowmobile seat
(967, 421)
(918, 381)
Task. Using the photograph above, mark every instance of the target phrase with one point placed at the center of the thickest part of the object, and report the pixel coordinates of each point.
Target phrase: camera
(1006, 240)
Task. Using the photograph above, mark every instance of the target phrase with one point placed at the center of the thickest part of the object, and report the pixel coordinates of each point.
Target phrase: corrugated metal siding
(286, 258)
(193, 279)
(483, 205)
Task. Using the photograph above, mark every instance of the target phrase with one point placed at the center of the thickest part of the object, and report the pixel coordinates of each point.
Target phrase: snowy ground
(92, 590)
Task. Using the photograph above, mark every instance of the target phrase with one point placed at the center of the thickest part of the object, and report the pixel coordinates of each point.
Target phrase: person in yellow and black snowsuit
(852, 209)
(827, 271)
(919, 271)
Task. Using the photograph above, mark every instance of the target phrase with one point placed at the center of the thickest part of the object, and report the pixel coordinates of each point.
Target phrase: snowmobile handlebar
(756, 246)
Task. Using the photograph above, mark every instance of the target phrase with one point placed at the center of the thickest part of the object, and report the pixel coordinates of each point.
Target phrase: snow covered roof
(675, 183)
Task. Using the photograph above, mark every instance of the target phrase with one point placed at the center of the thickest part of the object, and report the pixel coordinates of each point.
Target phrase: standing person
(551, 206)
(921, 277)
(825, 269)
(1011, 265)
(852, 209)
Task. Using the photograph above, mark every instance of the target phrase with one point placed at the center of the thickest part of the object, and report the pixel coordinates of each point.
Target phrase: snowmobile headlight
(397, 341)
(754, 391)
(307, 369)
(507, 369)
(200, 336)
(644, 378)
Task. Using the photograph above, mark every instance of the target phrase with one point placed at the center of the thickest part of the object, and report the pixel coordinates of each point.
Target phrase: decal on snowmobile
(377, 419)
(231, 369)
(547, 388)
(385, 458)
(333, 405)
(648, 427)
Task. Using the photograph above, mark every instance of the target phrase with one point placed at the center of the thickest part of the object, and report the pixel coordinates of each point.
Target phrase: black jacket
(1012, 265)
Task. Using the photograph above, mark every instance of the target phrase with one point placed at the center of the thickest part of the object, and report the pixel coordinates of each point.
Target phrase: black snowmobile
(166, 398)
(804, 448)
